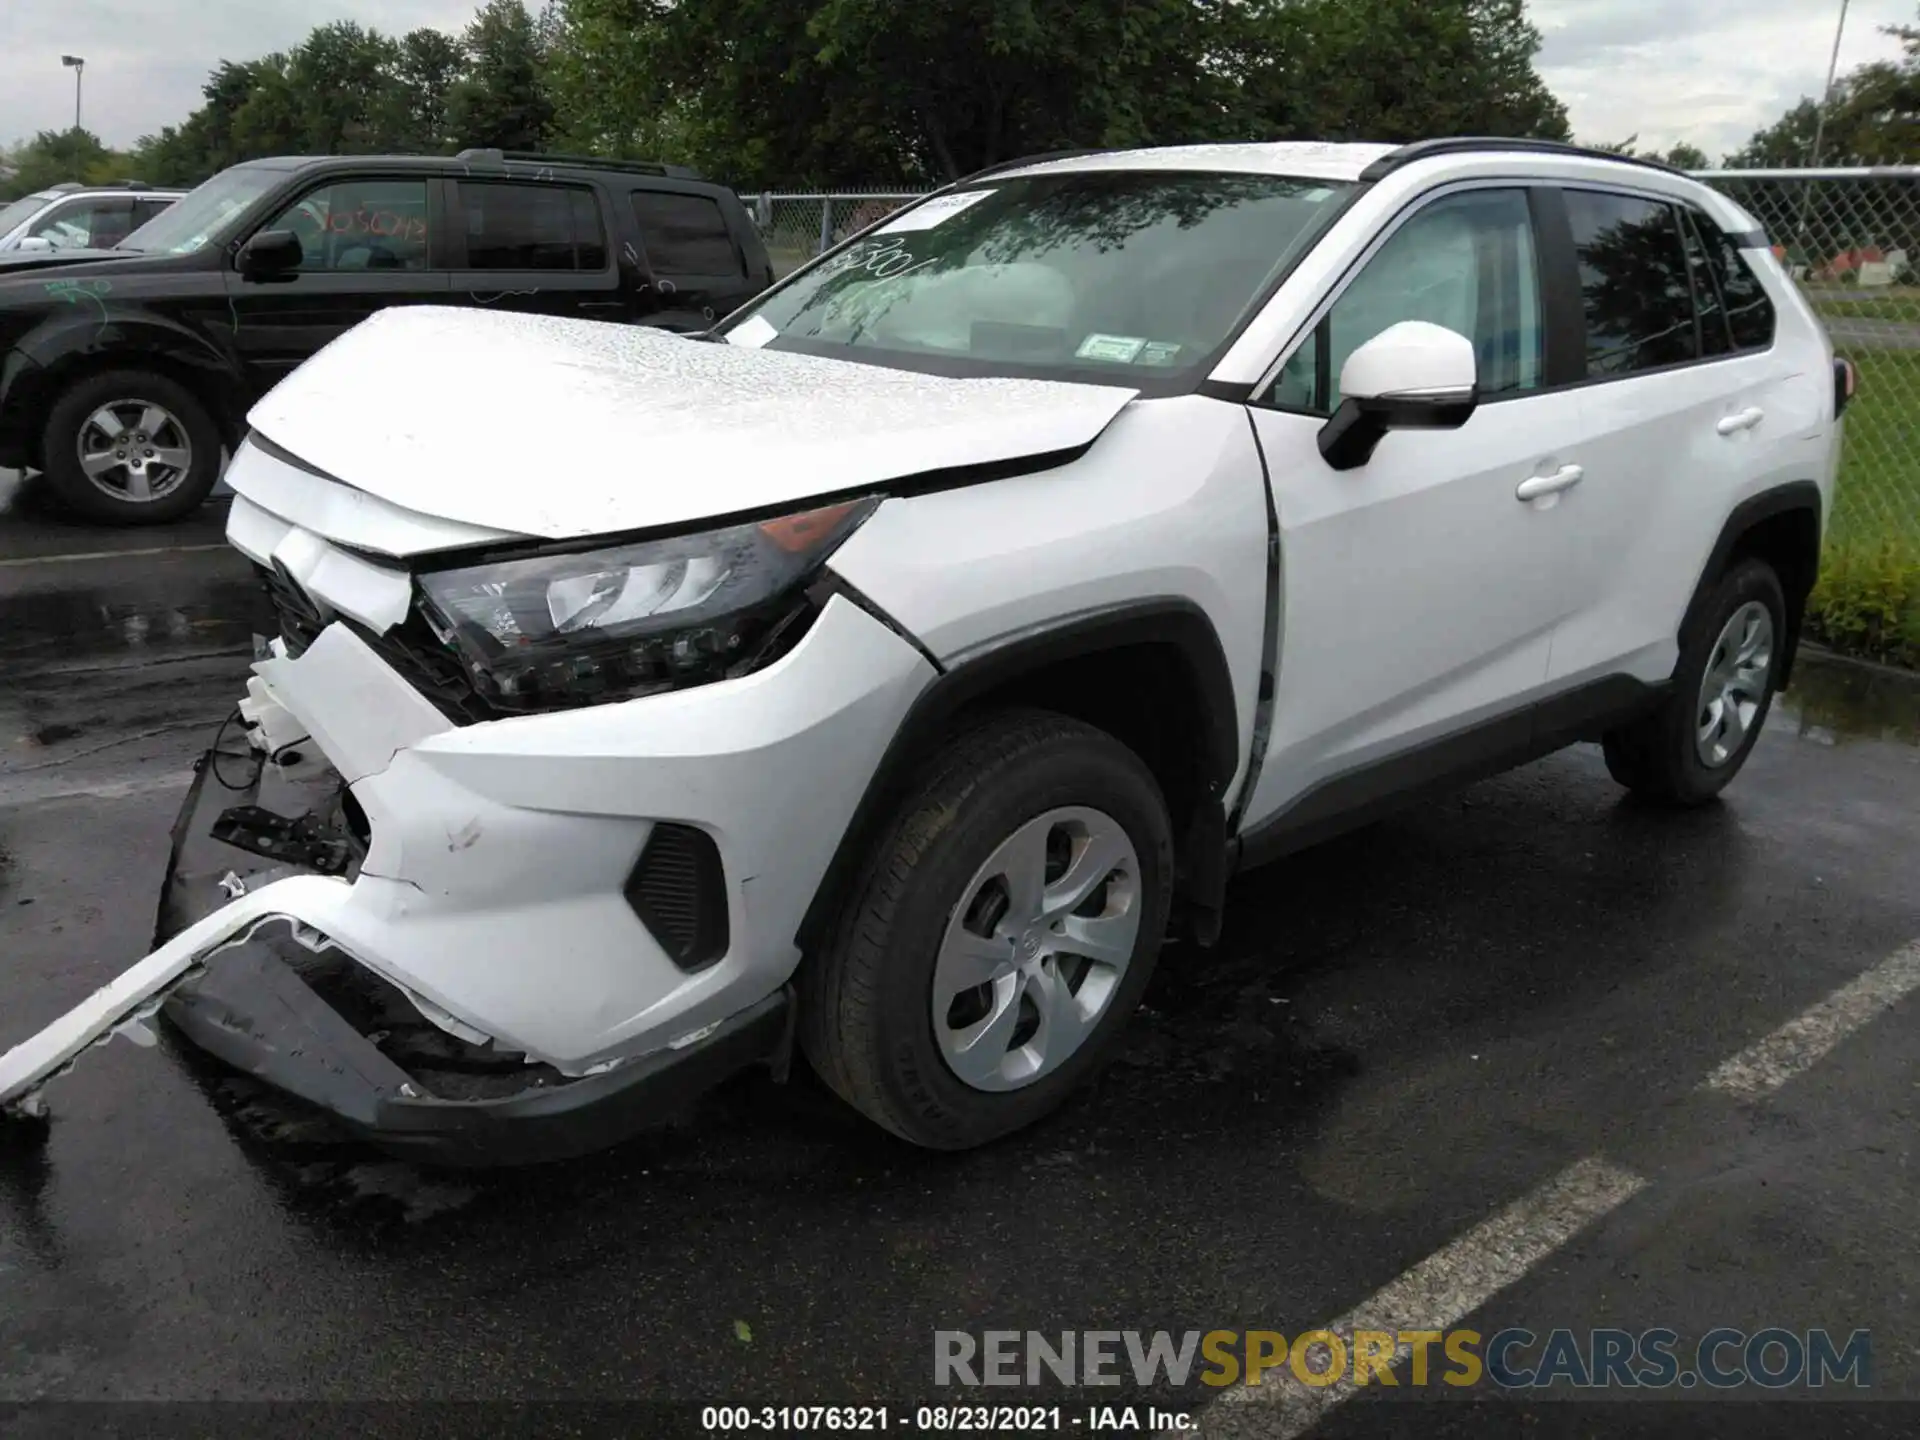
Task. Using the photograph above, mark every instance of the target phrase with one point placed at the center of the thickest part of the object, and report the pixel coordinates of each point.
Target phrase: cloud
(1709, 72)
(146, 59)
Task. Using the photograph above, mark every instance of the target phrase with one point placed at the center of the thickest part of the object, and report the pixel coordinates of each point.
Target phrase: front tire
(1002, 931)
(129, 447)
(1689, 750)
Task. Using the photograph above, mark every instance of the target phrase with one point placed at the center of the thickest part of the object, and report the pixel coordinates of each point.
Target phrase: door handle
(1745, 420)
(1565, 478)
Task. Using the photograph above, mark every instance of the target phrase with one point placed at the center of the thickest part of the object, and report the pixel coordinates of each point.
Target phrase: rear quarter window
(685, 234)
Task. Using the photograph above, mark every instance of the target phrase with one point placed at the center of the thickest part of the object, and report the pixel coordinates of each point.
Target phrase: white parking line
(108, 554)
(1442, 1289)
(1796, 1046)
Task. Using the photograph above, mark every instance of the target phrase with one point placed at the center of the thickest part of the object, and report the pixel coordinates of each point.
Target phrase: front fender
(89, 333)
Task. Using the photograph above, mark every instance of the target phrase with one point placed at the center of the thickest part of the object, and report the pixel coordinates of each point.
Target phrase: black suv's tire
(1661, 756)
(867, 1009)
(186, 430)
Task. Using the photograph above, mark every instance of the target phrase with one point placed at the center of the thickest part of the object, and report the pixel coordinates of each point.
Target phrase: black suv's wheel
(1000, 935)
(131, 448)
(1688, 750)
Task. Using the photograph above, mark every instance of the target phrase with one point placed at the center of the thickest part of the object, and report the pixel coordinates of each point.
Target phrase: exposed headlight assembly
(553, 631)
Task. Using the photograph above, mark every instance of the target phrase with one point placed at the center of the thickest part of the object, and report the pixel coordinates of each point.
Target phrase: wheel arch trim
(1794, 496)
(1172, 622)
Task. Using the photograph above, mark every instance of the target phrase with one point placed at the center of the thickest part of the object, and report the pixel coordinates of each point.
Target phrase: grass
(1867, 602)
(1879, 491)
(1897, 311)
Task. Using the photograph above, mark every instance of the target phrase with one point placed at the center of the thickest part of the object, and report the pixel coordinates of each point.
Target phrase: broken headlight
(553, 631)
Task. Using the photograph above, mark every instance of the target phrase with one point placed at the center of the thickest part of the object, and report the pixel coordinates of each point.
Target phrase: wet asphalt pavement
(1401, 1033)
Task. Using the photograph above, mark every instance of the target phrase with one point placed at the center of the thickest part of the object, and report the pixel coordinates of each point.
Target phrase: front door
(1418, 597)
(366, 244)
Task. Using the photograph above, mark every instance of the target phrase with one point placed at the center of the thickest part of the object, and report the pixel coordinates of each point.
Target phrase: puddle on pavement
(1833, 701)
(63, 626)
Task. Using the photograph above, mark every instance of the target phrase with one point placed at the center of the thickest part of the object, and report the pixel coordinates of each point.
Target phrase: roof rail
(1026, 160)
(491, 156)
(135, 185)
(1467, 144)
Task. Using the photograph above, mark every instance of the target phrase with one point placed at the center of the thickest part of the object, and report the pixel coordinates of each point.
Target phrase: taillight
(1846, 380)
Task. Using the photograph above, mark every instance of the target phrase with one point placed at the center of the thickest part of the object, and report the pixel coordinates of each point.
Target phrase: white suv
(892, 675)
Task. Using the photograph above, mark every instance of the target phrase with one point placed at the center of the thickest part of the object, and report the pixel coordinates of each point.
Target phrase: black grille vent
(678, 889)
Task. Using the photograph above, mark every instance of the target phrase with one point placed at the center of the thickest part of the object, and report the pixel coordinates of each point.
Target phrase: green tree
(503, 100)
(1872, 118)
(1393, 70)
(341, 78)
(426, 69)
(55, 156)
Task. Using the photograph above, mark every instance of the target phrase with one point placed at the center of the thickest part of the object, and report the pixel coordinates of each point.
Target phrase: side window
(1633, 283)
(145, 210)
(1466, 262)
(685, 234)
(87, 224)
(531, 227)
(359, 225)
(1715, 338)
(1749, 310)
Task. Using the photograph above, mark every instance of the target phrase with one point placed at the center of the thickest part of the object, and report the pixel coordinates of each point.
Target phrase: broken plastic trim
(130, 999)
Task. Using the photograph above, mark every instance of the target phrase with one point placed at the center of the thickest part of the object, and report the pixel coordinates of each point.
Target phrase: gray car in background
(80, 217)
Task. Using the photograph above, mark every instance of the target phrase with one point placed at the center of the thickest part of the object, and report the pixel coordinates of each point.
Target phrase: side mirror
(38, 244)
(271, 254)
(1411, 376)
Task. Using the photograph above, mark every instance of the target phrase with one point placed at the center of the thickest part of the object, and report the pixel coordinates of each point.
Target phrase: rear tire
(943, 891)
(133, 481)
(1688, 750)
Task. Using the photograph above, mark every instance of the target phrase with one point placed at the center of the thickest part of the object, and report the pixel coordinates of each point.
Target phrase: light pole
(1826, 96)
(76, 64)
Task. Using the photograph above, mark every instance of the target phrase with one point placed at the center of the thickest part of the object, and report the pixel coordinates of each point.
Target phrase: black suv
(124, 373)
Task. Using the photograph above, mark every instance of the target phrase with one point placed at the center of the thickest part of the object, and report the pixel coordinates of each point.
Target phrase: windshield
(202, 212)
(24, 209)
(1105, 274)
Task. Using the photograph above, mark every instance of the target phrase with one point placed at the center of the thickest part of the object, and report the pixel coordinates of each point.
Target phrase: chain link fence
(1850, 238)
(796, 227)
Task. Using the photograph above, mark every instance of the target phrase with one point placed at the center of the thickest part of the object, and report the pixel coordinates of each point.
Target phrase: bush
(1867, 601)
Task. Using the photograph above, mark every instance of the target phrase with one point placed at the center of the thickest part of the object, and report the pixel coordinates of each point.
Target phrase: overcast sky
(1706, 71)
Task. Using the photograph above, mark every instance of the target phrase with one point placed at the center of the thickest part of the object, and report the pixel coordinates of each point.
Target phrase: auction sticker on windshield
(933, 212)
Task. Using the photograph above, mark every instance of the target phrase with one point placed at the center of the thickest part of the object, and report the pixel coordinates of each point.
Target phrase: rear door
(368, 242)
(535, 245)
(699, 270)
(1675, 418)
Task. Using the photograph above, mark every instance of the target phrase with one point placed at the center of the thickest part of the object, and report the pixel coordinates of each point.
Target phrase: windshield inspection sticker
(1119, 348)
(933, 212)
(1160, 352)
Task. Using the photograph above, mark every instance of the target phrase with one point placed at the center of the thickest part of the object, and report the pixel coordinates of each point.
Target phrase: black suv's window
(1634, 283)
(531, 227)
(685, 234)
(1749, 310)
(359, 225)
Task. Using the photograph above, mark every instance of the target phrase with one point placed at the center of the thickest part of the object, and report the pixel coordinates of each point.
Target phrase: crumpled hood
(560, 428)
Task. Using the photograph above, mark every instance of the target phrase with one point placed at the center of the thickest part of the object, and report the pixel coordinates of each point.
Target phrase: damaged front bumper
(273, 997)
(501, 942)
